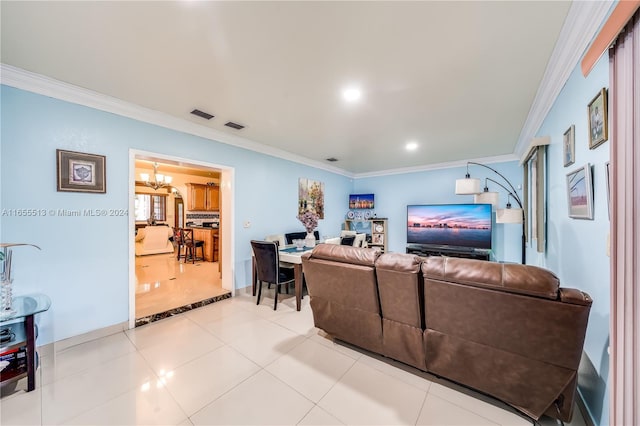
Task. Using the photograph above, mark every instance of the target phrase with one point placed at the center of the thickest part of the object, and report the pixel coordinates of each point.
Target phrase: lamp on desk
(471, 186)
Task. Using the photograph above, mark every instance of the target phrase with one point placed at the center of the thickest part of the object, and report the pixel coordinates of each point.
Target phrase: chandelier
(159, 180)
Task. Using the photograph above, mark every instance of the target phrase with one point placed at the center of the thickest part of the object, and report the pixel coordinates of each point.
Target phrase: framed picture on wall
(580, 193)
(81, 172)
(569, 146)
(598, 126)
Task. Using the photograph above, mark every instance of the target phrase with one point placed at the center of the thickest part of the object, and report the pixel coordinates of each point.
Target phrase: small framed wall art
(81, 172)
(569, 146)
(580, 193)
(598, 126)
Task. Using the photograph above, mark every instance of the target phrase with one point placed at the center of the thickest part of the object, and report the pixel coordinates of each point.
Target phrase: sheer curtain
(624, 67)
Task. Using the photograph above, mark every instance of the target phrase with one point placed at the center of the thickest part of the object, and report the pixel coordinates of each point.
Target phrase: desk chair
(268, 268)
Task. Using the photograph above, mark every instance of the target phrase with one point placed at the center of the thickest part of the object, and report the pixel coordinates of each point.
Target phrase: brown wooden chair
(183, 237)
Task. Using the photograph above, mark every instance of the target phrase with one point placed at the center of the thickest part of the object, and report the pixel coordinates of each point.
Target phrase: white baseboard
(51, 348)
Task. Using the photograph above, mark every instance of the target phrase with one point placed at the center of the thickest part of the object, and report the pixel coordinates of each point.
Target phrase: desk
(287, 254)
(22, 325)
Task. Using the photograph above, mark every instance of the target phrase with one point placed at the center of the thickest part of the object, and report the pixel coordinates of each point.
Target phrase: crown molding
(46, 86)
(580, 26)
(438, 166)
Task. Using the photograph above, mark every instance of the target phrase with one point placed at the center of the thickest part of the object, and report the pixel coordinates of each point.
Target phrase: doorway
(178, 212)
(162, 278)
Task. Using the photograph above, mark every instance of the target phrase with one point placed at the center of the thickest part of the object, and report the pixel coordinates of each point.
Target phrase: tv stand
(426, 251)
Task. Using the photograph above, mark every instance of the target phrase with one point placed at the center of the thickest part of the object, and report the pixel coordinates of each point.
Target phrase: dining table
(291, 255)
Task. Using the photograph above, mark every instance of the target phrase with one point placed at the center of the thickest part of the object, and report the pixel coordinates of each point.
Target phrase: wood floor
(163, 283)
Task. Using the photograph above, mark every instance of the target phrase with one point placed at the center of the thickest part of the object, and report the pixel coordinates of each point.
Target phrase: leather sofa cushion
(510, 277)
(400, 287)
(345, 254)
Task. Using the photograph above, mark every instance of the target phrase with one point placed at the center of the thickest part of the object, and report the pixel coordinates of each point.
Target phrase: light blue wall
(576, 249)
(84, 261)
(82, 264)
(394, 192)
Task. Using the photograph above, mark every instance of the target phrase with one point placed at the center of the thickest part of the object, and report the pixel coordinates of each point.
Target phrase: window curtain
(624, 87)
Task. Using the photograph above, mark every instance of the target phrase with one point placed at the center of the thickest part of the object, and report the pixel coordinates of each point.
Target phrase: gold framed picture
(81, 172)
(598, 123)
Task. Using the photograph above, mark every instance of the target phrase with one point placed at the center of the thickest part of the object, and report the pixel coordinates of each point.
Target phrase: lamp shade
(486, 197)
(144, 177)
(509, 216)
(467, 186)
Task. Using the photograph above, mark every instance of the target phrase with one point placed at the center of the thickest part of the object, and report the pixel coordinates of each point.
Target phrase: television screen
(456, 225)
(361, 201)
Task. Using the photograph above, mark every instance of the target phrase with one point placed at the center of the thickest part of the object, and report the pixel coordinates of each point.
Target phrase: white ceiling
(458, 78)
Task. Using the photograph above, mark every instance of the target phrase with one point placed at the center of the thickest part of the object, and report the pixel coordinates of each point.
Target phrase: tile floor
(233, 362)
(164, 283)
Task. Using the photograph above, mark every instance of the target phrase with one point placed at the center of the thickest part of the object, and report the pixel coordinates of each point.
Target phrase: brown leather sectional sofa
(507, 330)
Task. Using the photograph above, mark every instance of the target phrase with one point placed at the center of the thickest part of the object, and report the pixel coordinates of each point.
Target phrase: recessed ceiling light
(411, 146)
(351, 94)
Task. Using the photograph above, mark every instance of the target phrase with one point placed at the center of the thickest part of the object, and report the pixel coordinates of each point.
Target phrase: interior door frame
(227, 184)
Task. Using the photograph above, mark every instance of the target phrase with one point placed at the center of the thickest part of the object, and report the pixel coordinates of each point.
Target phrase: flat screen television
(459, 226)
(361, 201)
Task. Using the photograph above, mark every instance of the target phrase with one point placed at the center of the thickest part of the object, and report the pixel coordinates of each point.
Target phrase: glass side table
(18, 338)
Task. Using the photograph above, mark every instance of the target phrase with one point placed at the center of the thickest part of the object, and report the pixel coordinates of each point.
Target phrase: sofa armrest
(575, 296)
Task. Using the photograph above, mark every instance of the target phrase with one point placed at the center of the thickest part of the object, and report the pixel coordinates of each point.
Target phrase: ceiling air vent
(202, 114)
(332, 159)
(234, 125)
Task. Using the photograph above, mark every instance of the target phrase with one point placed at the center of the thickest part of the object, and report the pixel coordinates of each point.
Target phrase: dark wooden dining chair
(267, 260)
(289, 237)
(183, 237)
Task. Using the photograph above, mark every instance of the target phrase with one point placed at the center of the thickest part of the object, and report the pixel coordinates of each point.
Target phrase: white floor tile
(201, 381)
(367, 396)
(398, 370)
(326, 340)
(260, 400)
(23, 408)
(299, 322)
(233, 326)
(481, 405)
(215, 311)
(311, 369)
(318, 417)
(142, 406)
(189, 343)
(68, 397)
(86, 355)
(161, 331)
(265, 342)
(437, 411)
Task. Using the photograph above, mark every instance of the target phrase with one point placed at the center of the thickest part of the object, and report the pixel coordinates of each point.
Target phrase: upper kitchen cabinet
(203, 197)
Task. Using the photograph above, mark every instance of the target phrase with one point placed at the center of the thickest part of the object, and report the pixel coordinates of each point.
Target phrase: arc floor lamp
(471, 186)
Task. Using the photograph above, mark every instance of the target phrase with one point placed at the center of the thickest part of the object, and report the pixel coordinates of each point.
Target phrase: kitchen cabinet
(210, 242)
(203, 197)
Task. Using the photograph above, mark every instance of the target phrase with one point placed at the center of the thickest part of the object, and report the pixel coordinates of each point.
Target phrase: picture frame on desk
(377, 239)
